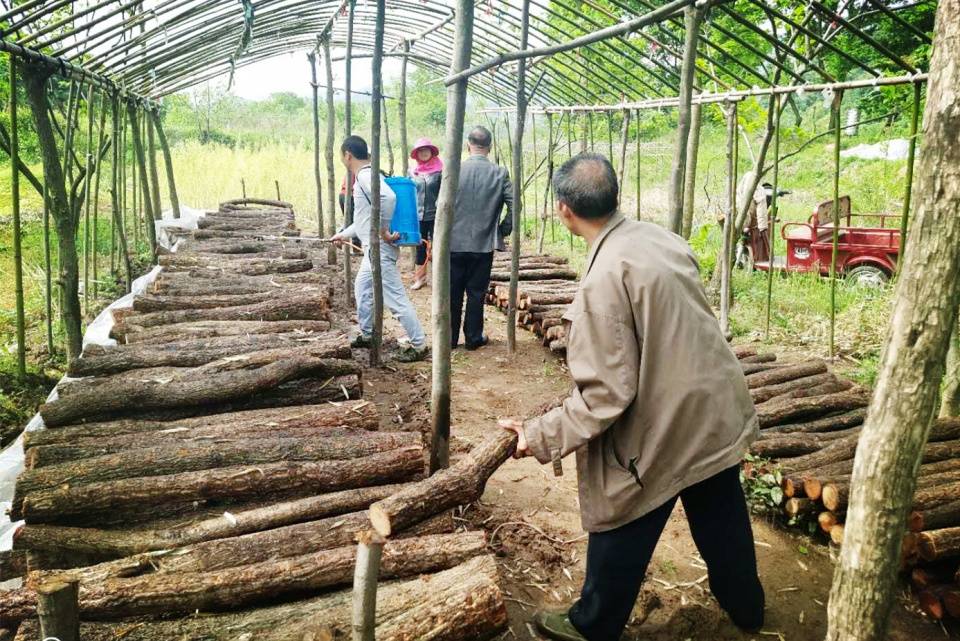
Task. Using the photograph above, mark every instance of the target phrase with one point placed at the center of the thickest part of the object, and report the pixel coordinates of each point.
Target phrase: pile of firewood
(810, 423)
(220, 457)
(547, 287)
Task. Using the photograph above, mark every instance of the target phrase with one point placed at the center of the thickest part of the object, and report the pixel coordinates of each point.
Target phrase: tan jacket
(660, 402)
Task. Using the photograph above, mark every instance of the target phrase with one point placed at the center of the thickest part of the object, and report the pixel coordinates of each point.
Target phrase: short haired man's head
(480, 138)
(356, 147)
(587, 186)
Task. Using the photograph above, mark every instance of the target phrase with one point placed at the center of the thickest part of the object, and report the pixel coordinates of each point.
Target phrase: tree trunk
(950, 397)
(925, 313)
(168, 163)
(141, 160)
(461, 484)
(141, 494)
(71, 314)
(464, 602)
(328, 153)
(690, 174)
(152, 165)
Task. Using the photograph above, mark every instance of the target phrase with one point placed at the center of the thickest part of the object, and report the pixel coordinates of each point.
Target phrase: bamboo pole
(517, 172)
(774, 204)
(365, 576)
(835, 114)
(610, 136)
(315, 91)
(152, 166)
(690, 173)
(331, 122)
(729, 223)
(386, 135)
(440, 306)
(908, 180)
(624, 133)
(142, 172)
(17, 236)
(402, 112)
(168, 162)
(86, 190)
(375, 208)
(59, 611)
(96, 192)
(116, 192)
(693, 18)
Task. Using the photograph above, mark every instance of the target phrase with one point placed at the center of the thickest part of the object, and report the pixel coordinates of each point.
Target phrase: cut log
(753, 368)
(940, 516)
(742, 351)
(217, 382)
(98, 360)
(464, 602)
(835, 496)
(785, 446)
(462, 483)
(153, 303)
(761, 394)
(247, 266)
(788, 410)
(174, 458)
(930, 575)
(759, 358)
(784, 374)
(348, 414)
(823, 389)
(931, 604)
(826, 521)
(796, 506)
(253, 583)
(536, 274)
(827, 424)
(59, 505)
(813, 479)
(836, 534)
(302, 307)
(935, 545)
(98, 543)
(211, 329)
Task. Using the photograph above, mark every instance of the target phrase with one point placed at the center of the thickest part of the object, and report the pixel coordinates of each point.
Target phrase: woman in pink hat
(426, 174)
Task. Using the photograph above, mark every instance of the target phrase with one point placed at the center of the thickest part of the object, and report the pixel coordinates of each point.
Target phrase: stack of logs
(221, 457)
(810, 422)
(547, 287)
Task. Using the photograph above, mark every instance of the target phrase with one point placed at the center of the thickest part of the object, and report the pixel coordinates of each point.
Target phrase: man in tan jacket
(660, 411)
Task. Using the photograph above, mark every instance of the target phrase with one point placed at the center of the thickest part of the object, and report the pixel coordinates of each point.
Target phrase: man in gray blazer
(477, 231)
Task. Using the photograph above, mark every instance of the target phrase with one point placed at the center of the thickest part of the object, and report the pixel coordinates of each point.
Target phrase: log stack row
(810, 423)
(547, 287)
(221, 459)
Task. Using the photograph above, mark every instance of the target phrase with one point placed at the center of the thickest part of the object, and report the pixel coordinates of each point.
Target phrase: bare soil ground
(532, 517)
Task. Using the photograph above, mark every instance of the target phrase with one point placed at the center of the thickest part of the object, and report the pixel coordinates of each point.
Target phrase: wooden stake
(168, 162)
(624, 133)
(152, 166)
(366, 574)
(348, 129)
(908, 180)
(315, 91)
(386, 136)
(402, 112)
(517, 172)
(440, 307)
(17, 235)
(690, 173)
(835, 115)
(639, 208)
(772, 224)
(87, 175)
(729, 223)
(277, 183)
(331, 122)
(375, 251)
(144, 181)
(58, 610)
(117, 191)
(693, 18)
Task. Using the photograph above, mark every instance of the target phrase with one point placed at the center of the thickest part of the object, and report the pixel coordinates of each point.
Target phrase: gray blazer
(484, 190)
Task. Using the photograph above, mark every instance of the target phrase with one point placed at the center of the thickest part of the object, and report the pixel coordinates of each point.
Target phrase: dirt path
(534, 525)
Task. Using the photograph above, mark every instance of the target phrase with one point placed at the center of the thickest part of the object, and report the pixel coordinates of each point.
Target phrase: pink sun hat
(420, 144)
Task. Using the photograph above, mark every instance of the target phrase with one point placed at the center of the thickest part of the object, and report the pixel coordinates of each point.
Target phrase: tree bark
(536, 274)
(464, 602)
(905, 398)
(791, 409)
(827, 424)
(58, 611)
(784, 374)
(935, 545)
(168, 163)
(212, 329)
(950, 397)
(690, 174)
(462, 483)
(141, 160)
(62, 505)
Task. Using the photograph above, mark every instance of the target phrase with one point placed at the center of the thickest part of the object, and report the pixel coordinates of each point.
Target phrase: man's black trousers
(617, 559)
(470, 275)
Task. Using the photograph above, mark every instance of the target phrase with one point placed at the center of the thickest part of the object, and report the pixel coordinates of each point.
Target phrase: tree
(905, 397)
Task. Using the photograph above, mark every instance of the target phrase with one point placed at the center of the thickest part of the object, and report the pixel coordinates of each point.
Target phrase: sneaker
(411, 354)
(418, 284)
(556, 625)
(362, 342)
(472, 346)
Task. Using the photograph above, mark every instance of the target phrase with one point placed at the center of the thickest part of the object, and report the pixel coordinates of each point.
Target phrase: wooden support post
(348, 129)
(48, 267)
(167, 162)
(590, 127)
(904, 398)
(331, 124)
(638, 158)
(569, 134)
(908, 180)
(402, 112)
(365, 576)
(144, 182)
(729, 222)
(693, 17)
(584, 136)
(517, 172)
(533, 175)
(690, 173)
(376, 102)
(243, 188)
(87, 175)
(59, 610)
(610, 136)
(115, 193)
(440, 307)
(835, 117)
(152, 166)
(541, 225)
(277, 185)
(101, 136)
(772, 223)
(17, 236)
(386, 136)
(624, 133)
(315, 91)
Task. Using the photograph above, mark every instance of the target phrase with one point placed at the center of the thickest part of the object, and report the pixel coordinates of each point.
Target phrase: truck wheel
(868, 276)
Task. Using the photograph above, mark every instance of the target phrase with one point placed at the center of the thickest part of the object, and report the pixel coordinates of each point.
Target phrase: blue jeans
(394, 296)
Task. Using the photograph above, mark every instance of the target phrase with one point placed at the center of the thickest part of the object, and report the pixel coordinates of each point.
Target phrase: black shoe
(362, 342)
(472, 346)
